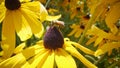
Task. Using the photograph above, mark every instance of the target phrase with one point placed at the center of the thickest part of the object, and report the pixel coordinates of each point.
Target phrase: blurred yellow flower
(53, 50)
(76, 30)
(107, 47)
(107, 10)
(99, 35)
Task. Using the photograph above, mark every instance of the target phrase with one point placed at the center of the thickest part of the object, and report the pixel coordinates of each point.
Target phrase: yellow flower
(107, 48)
(20, 18)
(109, 11)
(99, 35)
(50, 52)
(77, 30)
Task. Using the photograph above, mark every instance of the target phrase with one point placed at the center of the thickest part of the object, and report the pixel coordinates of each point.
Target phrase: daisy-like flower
(77, 30)
(99, 35)
(106, 41)
(50, 52)
(21, 17)
(107, 47)
(109, 12)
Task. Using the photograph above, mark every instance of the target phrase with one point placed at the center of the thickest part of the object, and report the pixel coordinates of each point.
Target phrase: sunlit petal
(51, 18)
(49, 62)
(40, 58)
(8, 36)
(26, 65)
(35, 24)
(2, 12)
(31, 51)
(63, 59)
(84, 49)
(14, 62)
(19, 48)
(75, 53)
(43, 13)
(21, 25)
(33, 6)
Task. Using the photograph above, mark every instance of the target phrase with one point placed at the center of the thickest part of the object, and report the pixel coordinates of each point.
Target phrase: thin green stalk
(101, 58)
(90, 22)
(47, 3)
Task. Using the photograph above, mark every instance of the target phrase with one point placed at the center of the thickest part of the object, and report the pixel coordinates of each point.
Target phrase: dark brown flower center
(12, 4)
(53, 38)
(87, 17)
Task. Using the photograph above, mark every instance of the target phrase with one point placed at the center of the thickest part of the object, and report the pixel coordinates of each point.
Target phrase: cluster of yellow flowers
(25, 18)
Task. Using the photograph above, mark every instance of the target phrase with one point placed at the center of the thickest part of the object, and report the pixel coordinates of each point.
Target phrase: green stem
(99, 59)
(111, 66)
(47, 3)
(86, 28)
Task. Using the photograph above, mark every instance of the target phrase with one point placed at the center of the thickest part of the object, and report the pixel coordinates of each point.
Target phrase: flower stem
(90, 22)
(47, 3)
(100, 59)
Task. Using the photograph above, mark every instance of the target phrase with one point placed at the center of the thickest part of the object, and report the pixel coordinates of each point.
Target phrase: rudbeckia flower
(20, 18)
(98, 35)
(52, 51)
(109, 11)
(77, 30)
(107, 47)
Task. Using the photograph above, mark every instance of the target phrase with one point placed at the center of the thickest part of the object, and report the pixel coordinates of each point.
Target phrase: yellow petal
(100, 33)
(112, 17)
(25, 0)
(51, 18)
(26, 65)
(49, 62)
(43, 13)
(96, 31)
(35, 24)
(8, 36)
(84, 49)
(76, 54)
(107, 47)
(98, 40)
(31, 51)
(112, 36)
(21, 25)
(2, 12)
(1, 1)
(78, 33)
(19, 48)
(72, 32)
(14, 62)
(39, 59)
(63, 59)
(34, 6)
(91, 40)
